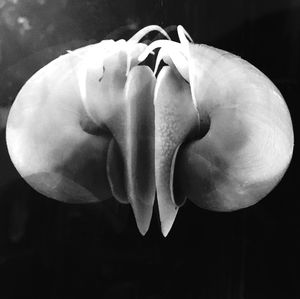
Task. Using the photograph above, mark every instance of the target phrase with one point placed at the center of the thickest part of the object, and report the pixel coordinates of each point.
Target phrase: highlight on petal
(144, 31)
(172, 53)
(159, 44)
(183, 35)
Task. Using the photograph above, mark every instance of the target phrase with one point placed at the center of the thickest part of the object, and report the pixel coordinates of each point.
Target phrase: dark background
(53, 250)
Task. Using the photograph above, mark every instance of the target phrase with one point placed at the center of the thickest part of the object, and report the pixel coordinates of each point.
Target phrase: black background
(53, 250)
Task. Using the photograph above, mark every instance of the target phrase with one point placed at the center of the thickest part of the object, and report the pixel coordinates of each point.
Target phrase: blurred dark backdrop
(54, 250)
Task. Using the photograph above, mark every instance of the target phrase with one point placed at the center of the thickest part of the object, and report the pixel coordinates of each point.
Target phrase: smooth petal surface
(48, 129)
(126, 109)
(139, 138)
(250, 140)
(82, 132)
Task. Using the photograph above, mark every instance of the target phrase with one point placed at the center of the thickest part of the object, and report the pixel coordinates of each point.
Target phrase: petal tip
(143, 215)
(167, 217)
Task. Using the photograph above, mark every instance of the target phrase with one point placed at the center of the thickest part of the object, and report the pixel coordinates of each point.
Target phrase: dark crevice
(92, 128)
(178, 192)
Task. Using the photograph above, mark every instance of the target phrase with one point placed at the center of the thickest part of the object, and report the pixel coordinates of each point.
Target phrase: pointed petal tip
(165, 230)
(143, 229)
(166, 227)
(143, 215)
(142, 225)
(167, 217)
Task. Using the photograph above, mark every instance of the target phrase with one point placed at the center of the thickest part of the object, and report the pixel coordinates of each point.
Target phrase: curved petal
(175, 119)
(250, 140)
(48, 129)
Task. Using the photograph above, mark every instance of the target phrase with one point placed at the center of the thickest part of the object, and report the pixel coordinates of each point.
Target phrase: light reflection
(25, 25)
